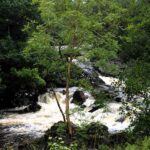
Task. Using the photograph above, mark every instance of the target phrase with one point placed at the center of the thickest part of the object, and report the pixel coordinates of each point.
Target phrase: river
(16, 128)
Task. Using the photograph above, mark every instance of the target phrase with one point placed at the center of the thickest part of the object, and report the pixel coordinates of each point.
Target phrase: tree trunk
(69, 127)
(57, 101)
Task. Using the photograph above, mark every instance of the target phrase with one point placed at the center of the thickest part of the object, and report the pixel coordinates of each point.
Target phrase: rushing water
(34, 125)
(15, 128)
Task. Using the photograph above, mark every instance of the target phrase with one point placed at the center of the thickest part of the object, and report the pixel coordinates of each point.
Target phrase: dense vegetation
(40, 38)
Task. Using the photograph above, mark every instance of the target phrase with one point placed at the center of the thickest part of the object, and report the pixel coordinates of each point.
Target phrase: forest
(74, 75)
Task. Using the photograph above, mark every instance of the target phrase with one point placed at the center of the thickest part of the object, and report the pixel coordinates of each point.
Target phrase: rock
(79, 97)
(96, 134)
(122, 119)
(83, 106)
(94, 78)
(64, 92)
(92, 134)
(118, 99)
(128, 108)
(94, 108)
(102, 72)
(59, 130)
(31, 108)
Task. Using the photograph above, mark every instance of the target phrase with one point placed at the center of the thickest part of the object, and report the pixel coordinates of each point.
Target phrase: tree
(135, 34)
(14, 15)
(105, 17)
(135, 54)
(70, 26)
(78, 32)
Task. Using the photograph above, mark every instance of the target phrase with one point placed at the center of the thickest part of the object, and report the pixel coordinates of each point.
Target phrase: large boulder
(79, 97)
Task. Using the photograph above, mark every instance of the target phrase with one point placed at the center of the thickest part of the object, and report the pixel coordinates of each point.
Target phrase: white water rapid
(35, 124)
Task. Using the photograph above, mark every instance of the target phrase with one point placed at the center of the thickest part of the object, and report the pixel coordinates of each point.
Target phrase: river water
(19, 127)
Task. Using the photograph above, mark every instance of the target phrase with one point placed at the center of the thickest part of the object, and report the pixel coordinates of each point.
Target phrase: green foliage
(86, 135)
(59, 145)
(105, 18)
(29, 75)
(91, 32)
(103, 147)
(137, 78)
(58, 130)
(95, 29)
(91, 135)
(39, 49)
(141, 125)
(136, 35)
(140, 145)
(14, 15)
(95, 135)
(135, 53)
(84, 83)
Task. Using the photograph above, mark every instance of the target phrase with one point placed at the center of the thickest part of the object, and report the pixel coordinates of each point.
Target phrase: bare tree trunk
(69, 127)
(57, 101)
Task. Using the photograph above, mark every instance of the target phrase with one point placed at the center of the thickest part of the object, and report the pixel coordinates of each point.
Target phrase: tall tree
(71, 31)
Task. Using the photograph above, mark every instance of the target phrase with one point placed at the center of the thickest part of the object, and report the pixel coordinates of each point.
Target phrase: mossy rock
(57, 130)
(93, 134)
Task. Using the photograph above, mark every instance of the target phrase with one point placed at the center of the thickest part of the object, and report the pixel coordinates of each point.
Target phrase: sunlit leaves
(40, 41)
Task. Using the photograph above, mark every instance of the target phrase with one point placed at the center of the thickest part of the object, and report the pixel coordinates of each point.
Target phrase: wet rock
(64, 92)
(128, 108)
(93, 77)
(102, 72)
(94, 108)
(79, 97)
(31, 108)
(83, 106)
(118, 99)
(122, 119)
